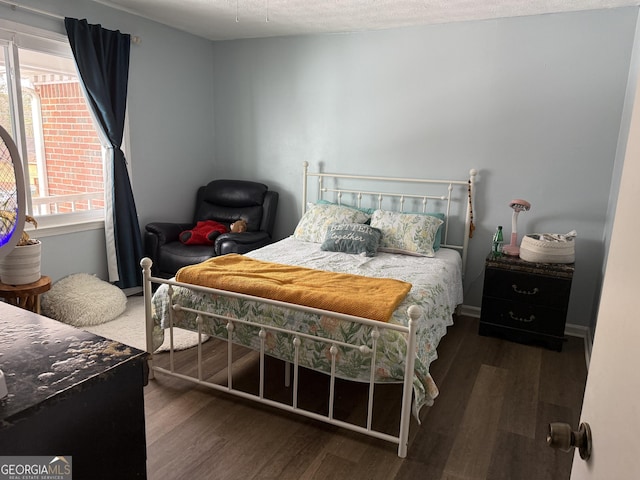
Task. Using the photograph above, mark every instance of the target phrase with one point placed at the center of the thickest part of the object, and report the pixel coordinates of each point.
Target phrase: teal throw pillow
(355, 238)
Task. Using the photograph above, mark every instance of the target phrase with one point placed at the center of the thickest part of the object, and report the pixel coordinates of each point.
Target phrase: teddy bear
(239, 226)
(204, 233)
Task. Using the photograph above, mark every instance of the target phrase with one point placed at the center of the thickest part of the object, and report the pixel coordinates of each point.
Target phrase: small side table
(26, 296)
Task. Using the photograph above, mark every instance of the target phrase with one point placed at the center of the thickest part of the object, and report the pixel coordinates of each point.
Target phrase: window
(45, 111)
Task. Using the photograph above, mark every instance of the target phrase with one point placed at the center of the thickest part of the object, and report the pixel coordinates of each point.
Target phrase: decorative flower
(328, 324)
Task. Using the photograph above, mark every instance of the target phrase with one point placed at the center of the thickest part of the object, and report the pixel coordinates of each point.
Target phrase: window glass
(58, 143)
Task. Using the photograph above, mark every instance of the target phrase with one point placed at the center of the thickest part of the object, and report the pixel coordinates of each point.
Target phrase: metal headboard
(442, 194)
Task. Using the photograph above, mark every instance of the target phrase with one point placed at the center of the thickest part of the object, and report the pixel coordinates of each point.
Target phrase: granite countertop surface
(42, 358)
(516, 264)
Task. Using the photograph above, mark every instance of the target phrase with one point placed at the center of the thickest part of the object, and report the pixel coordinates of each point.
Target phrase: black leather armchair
(223, 201)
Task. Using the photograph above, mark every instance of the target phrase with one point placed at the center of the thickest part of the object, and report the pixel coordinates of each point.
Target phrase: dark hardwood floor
(489, 421)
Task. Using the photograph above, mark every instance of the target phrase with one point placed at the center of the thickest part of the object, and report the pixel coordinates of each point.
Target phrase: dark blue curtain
(102, 58)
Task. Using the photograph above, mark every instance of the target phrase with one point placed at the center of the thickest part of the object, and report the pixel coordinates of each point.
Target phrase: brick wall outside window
(72, 151)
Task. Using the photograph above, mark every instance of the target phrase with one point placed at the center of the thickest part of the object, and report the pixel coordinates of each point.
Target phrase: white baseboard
(468, 310)
(576, 330)
(132, 291)
(584, 333)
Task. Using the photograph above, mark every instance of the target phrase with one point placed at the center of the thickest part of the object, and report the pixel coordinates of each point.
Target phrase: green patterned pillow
(353, 238)
(313, 225)
(438, 239)
(409, 233)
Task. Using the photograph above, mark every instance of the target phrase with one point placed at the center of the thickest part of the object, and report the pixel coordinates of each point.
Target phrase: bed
(395, 248)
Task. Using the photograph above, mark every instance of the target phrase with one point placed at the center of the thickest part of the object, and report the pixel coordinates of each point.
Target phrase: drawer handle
(522, 319)
(524, 292)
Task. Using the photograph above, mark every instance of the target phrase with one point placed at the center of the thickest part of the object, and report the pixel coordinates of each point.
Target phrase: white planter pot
(22, 265)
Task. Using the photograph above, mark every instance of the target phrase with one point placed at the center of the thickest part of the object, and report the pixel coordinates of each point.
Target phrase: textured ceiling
(233, 19)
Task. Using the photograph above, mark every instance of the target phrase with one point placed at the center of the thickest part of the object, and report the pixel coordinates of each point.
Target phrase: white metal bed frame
(375, 327)
(469, 184)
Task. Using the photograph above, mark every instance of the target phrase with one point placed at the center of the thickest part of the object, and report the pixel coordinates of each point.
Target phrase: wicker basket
(535, 249)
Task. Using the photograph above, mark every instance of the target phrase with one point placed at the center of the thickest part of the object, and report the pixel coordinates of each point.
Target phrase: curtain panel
(102, 59)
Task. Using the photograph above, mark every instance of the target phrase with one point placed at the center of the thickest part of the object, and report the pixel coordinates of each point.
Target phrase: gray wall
(170, 110)
(535, 103)
(623, 138)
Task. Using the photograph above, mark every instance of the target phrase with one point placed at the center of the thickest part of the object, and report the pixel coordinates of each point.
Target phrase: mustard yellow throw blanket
(373, 298)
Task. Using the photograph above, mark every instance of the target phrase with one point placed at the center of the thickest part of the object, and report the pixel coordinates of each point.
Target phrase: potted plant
(22, 264)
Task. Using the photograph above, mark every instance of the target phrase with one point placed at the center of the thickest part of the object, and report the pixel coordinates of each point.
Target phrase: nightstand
(524, 301)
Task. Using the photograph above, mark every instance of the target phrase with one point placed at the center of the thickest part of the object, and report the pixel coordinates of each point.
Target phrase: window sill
(52, 229)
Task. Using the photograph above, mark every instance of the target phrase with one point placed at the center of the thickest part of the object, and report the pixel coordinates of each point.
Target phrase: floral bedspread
(436, 289)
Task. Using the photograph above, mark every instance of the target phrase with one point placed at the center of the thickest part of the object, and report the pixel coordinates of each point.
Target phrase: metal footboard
(333, 345)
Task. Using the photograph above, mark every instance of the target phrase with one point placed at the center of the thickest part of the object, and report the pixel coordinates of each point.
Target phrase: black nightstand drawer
(527, 288)
(524, 301)
(523, 316)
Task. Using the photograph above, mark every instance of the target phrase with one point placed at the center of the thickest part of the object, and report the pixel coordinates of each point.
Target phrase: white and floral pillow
(409, 233)
(313, 225)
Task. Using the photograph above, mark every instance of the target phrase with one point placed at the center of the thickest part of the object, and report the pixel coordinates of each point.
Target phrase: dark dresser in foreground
(73, 394)
(526, 302)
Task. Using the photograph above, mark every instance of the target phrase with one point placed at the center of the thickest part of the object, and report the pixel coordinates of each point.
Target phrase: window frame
(14, 36)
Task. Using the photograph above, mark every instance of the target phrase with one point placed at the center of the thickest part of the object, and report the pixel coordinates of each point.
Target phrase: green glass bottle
(498, 242)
